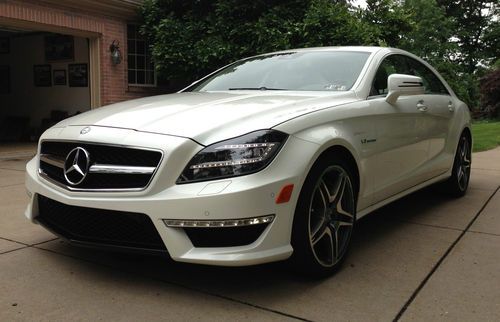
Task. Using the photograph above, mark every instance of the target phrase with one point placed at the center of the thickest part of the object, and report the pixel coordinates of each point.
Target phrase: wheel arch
(347, 155)
(347, 152)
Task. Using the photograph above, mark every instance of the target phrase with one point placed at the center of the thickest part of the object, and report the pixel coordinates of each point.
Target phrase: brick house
(56, 60)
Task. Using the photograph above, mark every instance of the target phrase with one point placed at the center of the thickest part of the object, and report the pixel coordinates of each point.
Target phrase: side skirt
(395, 197)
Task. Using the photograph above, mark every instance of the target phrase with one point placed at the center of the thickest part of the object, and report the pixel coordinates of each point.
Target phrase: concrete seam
(43, 242)
(12, 185)
(180, 285)
(13, 250)
(441, 260)
(13, 169)
(14, 241)
(427, 225)
(29, 245)
(483, 233)
(482, 189)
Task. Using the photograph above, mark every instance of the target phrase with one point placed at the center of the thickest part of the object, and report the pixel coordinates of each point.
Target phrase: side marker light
(285, 194)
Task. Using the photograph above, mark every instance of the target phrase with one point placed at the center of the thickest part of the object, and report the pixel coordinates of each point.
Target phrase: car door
(439, 113)
(402, 140)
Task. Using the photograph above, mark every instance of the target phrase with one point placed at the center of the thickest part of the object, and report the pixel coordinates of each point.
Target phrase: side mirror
(401, 85)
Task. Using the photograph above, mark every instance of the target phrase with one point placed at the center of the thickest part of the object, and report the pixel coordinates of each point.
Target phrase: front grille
(105, 227)
(225, 236)
(53, 155)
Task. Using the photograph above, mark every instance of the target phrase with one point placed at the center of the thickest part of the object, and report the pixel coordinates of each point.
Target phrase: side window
(432, 84)
(394, 64)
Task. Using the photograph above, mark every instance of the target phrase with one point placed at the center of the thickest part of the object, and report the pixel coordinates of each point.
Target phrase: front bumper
(234, 198)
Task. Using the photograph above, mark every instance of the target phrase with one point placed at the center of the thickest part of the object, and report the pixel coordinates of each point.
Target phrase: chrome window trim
(67, 187)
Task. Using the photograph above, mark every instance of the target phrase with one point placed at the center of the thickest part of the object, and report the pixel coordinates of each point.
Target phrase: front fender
(350, 135)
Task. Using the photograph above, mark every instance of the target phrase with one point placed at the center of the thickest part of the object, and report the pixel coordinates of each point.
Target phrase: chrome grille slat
(112, 167)
(53, 160)
(117, 169)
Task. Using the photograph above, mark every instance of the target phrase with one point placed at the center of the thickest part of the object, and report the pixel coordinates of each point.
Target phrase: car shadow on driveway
(393, 250)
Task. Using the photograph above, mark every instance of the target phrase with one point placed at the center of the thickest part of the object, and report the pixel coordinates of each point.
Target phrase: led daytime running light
(246, 146)
(177, 223)
(216, 164)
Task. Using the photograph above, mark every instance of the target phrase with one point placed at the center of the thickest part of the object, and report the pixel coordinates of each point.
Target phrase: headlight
(235, 157)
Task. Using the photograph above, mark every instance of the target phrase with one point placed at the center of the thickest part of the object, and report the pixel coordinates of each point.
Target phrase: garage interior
(44, 78)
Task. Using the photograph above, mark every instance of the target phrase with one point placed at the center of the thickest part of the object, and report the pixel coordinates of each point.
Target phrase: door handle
(450, 107)
(421, 106)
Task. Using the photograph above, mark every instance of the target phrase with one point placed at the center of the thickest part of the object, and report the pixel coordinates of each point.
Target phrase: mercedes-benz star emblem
(85, 130)
(76, 166)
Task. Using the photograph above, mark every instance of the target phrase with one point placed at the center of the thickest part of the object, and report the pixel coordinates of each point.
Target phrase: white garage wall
(36, 102)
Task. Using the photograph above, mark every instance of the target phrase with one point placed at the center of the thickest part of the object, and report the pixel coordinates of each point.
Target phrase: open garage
(62, 58)
(44, 79)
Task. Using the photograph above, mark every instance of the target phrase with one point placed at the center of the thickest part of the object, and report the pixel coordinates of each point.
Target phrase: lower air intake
(99, 226)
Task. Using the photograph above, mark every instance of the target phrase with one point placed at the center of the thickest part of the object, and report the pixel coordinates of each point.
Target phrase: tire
(457, 184)
(324, 218)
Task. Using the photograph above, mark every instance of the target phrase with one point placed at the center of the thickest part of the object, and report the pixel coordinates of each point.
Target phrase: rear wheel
(458, 183)
(324, 218)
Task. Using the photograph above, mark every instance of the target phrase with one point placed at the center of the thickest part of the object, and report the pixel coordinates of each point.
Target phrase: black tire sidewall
(453, 187)
(303, 258)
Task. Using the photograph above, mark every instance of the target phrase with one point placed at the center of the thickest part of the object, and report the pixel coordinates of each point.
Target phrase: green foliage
(388, 21)
(476, 28)
(331, 24)
(430, 32)
(192, 38)
(490, 93)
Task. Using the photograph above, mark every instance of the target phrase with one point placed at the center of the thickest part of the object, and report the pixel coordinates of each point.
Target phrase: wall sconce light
(116, 55)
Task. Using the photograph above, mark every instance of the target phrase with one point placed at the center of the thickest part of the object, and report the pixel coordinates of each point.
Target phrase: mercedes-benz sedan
(270, 158)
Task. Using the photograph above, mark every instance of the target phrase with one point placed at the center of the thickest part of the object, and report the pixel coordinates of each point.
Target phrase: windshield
(297, 71)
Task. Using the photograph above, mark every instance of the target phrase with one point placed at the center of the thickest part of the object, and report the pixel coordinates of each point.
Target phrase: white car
(270, 158)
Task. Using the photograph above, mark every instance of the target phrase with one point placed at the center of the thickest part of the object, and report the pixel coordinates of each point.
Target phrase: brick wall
(114, 86)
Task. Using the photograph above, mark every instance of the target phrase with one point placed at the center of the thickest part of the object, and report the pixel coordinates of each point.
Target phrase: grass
(486, 135)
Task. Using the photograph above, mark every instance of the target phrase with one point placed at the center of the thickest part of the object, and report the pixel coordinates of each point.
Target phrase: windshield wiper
(263, 88)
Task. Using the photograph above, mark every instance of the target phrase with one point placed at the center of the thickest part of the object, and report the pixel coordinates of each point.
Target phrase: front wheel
(324, 218)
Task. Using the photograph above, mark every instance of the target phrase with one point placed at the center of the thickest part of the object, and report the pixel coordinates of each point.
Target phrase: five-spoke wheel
(463, 167)
(324, 217)
(331, 216)
(459, 181)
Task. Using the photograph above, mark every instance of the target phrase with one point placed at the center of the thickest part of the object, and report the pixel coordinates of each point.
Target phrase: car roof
(369, 49)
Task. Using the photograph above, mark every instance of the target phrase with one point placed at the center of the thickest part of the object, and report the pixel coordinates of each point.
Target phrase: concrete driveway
(426, 257)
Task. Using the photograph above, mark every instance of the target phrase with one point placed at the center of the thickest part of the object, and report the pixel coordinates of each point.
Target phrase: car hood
(208, 117)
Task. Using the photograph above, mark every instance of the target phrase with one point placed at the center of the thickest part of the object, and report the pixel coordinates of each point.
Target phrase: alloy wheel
(464, 163)
(331, 216)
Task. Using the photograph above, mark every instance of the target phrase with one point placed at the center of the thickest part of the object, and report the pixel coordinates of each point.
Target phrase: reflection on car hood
(209, 117)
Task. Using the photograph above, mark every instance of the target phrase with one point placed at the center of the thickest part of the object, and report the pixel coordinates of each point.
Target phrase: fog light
(218, 223)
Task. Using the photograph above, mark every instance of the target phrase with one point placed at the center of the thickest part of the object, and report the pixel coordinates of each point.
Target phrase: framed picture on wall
(4, 45)
(59, 77)
(59, 48)
(42, 75)
(4, 79)
(78, 75)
